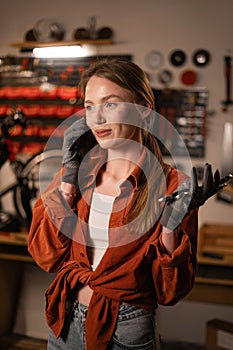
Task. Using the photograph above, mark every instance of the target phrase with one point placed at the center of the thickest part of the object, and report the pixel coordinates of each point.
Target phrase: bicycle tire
(17, 166)
(27, 177)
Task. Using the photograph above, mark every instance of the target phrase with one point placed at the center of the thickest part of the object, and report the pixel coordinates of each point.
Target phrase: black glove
(210, 186)
(190, 196)
(78, 140)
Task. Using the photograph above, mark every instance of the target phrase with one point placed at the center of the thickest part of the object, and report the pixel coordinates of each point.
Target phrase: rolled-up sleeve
(48, 242)
(174, 274)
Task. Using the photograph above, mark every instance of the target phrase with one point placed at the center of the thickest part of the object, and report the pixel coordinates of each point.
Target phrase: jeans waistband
(126, 311)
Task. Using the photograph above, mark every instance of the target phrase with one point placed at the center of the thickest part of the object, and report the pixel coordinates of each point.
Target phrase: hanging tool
(228, 101)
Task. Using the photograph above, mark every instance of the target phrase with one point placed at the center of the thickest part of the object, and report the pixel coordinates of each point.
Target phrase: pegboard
(186, 111)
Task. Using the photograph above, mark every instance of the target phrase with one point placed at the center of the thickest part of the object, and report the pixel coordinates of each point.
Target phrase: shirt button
(113, 308)
(82, 255)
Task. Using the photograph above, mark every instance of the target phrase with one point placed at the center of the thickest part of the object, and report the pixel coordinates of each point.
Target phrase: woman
(117, 250)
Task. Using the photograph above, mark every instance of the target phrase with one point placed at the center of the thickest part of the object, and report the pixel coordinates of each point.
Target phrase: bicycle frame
(23, 182)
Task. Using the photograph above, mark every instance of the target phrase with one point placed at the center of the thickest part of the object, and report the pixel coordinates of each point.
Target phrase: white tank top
(100, 211)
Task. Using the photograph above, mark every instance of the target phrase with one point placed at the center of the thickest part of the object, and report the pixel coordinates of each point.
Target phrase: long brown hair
(131, 77)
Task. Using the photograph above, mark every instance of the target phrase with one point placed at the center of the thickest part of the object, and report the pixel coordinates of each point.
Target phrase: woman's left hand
(190, 196)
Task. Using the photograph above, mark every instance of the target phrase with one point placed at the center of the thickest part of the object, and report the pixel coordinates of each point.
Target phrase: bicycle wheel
(34, 179)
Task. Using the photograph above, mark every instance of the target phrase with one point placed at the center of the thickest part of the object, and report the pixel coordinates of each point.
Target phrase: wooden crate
(20, 342)
(217, 239)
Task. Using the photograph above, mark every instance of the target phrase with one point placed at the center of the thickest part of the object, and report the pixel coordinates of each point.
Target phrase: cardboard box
(219, 335)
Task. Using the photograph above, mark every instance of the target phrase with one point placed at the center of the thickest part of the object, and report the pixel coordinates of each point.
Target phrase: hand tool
(178, 194)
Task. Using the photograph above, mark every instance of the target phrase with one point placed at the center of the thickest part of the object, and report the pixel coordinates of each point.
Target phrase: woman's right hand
(72, 154)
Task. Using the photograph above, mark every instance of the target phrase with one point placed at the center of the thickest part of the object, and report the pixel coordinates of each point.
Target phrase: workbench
(213, 283)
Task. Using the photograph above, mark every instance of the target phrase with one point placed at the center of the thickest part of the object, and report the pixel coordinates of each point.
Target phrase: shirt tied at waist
(102, 310)
(66, 281)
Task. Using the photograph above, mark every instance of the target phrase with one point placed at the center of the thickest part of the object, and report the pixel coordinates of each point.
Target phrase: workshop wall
(142, 27)
(139, 28)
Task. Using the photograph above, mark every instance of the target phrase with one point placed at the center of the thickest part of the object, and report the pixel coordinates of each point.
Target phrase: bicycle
(25, 183)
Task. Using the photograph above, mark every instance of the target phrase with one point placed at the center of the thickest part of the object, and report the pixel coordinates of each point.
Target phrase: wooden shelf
(214, 293)
(13, 247)
(17, 342)
(32, 44)
(14, 238)
(16, 257)
(214, 281)
(226, 260)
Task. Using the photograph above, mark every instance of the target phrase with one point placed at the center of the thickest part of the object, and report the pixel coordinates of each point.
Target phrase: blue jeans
(136, 329)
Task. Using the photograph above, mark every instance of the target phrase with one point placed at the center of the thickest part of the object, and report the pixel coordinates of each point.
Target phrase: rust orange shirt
(135, 269)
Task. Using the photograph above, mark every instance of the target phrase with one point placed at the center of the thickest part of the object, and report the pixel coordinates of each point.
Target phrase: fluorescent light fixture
(59, 51)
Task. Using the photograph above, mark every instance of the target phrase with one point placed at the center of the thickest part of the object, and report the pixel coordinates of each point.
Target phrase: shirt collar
(135, 174)
(91, 165)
